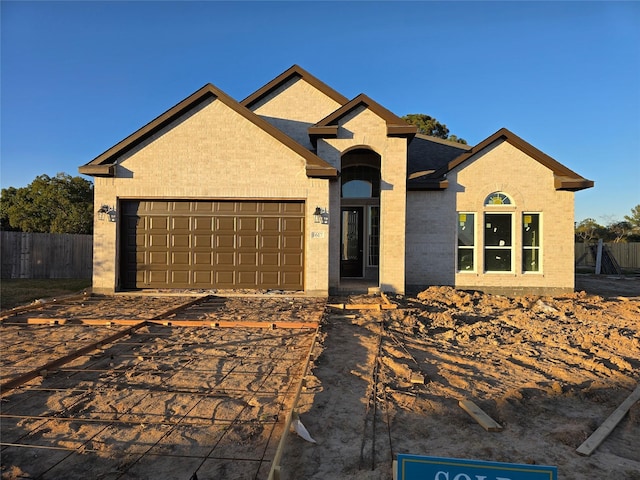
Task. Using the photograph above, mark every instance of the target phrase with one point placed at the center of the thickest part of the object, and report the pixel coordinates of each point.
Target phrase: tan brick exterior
(220, 151)
(432, 224)
(294, 107)
(210, 153)
(363, 128)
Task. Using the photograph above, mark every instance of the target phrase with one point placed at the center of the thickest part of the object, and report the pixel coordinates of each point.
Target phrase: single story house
(299, 188)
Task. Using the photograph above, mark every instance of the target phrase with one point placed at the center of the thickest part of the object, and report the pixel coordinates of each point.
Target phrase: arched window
(360, 182)
(497, 198)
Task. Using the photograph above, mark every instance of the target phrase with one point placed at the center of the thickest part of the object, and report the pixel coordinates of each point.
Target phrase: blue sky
(78, 77)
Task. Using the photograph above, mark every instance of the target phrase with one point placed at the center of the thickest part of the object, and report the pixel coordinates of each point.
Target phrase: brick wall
(210, 153)
(432, 227)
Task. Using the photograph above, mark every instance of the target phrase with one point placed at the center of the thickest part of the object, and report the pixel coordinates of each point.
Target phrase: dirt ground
(382, 382)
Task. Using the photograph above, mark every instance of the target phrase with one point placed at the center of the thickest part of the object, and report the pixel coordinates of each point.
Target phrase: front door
(351, 244)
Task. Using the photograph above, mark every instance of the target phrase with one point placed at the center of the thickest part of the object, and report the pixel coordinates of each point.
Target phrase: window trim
(539, 248)
(510, 248)
(472, 248)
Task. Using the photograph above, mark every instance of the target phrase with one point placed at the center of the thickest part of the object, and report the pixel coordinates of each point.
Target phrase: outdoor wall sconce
(320, 215)
(105, 211)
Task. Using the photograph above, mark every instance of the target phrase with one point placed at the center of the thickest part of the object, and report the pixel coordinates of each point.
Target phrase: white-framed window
(531, 242)
(466, 242)
(498, 242)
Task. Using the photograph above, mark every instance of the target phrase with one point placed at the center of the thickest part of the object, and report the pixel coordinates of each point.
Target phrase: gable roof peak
(564, 178)
(104, 164)
(295, 71)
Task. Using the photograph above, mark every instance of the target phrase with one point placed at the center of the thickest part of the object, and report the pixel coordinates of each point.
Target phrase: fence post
(599, 258)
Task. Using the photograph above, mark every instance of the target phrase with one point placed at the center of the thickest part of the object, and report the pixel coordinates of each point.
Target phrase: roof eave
(571, 183)
(102, 170)
(435, 184)
(321, 172)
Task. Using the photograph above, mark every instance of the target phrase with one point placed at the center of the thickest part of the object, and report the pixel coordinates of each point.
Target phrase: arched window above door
(360, 182)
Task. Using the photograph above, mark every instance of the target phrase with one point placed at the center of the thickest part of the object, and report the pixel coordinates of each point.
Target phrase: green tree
(634, 218)
(60, 204)
(428, 125)
(589, 230)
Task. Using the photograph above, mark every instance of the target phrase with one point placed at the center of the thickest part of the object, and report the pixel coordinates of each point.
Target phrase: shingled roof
(564, 178)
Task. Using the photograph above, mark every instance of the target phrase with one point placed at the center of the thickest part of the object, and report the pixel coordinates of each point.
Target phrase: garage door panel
(246, 259)
(247, 279)
(270, 259)
(158, 240)
(225, 259)
(180, 258)
(225, 241)
(180, 223)
(159, 258)
(226, 278)
(269, 278)
(181, 240)
(201, 224)
(204, 278)
(209, 244)
(225, 224)
(292, 259)
(247, 241)
(158, 277)
(202, 241)
(247, 224)
(292, 243)
(180, 277)
(203, 258)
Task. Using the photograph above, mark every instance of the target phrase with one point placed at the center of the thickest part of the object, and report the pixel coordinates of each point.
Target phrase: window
(360, 182)
(466, 242)
(498, 242)
(531, 242)
(374, 235)
(497, 198)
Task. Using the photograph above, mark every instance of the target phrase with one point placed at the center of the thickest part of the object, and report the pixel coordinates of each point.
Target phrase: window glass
(466, 242)
(360, 182)
(531, 242)
(356, 189)
(497, 198)
(374, 236)
(498, 241)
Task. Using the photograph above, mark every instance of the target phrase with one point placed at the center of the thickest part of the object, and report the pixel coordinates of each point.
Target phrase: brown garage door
(207, 244)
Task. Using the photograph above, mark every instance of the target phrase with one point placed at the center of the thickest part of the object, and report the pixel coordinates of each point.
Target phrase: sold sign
(415, 467)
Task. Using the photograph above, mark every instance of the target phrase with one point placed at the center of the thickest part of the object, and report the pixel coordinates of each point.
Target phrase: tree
(619, 230)
(60, 204)
(634, 218)
(428, 125)
(588, 230)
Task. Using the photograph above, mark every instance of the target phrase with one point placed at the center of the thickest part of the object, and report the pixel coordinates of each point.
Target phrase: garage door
(212, 244)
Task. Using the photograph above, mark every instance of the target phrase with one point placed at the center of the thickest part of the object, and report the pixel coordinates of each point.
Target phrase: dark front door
(351, 248)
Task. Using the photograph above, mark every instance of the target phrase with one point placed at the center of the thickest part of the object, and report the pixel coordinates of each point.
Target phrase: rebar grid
(129, 358)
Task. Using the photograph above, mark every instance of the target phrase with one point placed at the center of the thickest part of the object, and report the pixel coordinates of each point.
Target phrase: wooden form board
(363, 306)
(488, 423)
(603, 431)
(43, 369)
(108, 322)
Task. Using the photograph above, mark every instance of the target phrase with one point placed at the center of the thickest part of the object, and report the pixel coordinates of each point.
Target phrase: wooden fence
(46, 255)
(626, 254)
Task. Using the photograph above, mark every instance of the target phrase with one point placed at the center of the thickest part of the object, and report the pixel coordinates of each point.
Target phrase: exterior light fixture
(106, 212)
(320, 215)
